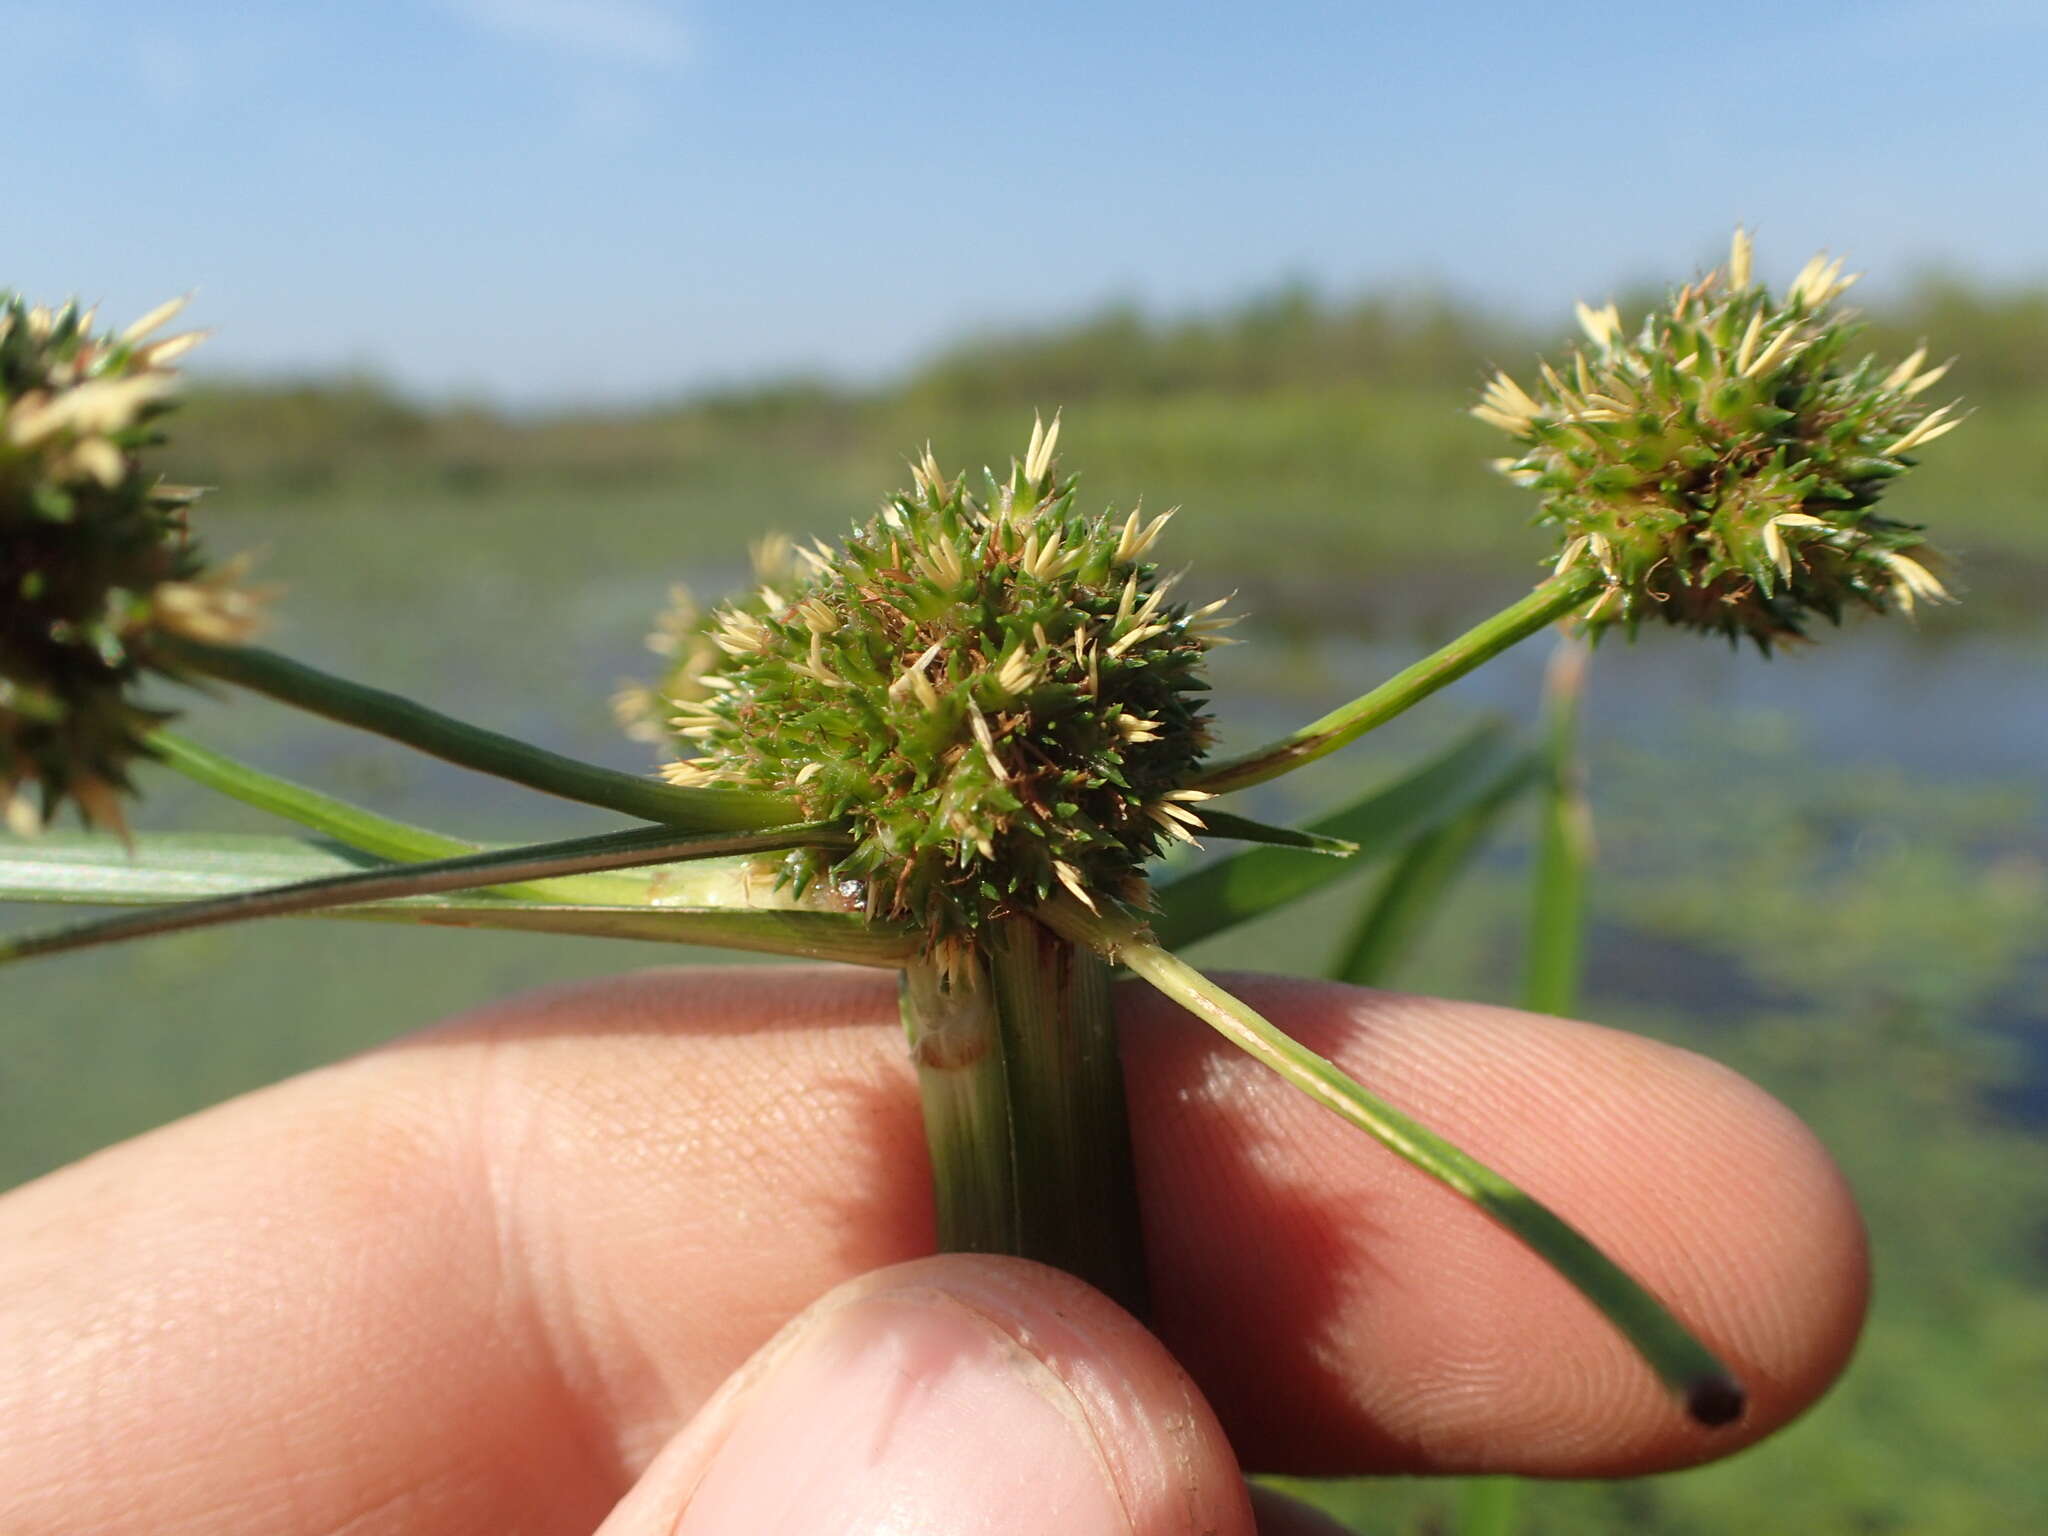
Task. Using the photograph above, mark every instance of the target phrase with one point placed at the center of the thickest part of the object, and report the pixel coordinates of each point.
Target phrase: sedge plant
(956, 743)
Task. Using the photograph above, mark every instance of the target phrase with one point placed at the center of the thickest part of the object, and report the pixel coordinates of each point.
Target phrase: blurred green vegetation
(1864, 941)
(1314, 434)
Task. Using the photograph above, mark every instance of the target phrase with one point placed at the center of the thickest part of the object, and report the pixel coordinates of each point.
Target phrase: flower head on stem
(994, 689)
(96, 560)
(1719, 468)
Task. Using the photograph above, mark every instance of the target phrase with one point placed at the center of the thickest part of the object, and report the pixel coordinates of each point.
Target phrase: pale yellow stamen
(1745, 351)
(1167, 823)
(162, 354)
(772, 555)
(1937, 424)
(940, 562)
(1038, 457)
(1915, 580)
(914, 681)
(1136, 539)
(1783, 347)
(1603, 325)
(687, 773)
(1774, 539)
(1070, 877)
(985, 739)
(1018, 672)
(1136, 637)
(929, 477)
(1741, 254)
(741, 634)
(155, 320)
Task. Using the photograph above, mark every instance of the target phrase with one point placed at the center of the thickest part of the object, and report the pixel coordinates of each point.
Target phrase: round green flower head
(1719, 468)
(95, 557)
(993, 688)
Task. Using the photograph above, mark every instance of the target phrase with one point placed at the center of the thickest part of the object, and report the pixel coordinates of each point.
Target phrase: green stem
(469, 746)
(357, 828)
(1022, 1086)
(1076, 1174)
(614, 850)
(957, 1047)
(1557, 919)
(1709, 1391)
(1486, 1505)
(1553, 600)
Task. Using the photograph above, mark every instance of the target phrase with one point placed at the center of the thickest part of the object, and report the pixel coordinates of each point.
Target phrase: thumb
(962, 1392)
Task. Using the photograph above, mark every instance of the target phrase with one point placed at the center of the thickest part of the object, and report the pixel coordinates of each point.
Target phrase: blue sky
(549, 200)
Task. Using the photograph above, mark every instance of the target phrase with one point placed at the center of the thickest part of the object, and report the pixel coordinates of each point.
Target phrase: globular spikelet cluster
(1720, 466)
(993, 689)
(95, 556)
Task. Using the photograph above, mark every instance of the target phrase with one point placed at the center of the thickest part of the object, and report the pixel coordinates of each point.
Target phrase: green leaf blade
(723, 902)
(1246, 885)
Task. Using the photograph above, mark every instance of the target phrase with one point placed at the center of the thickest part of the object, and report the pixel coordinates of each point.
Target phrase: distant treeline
(1291, 341)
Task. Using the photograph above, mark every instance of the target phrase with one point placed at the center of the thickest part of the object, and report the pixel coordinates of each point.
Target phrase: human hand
(500, 1277)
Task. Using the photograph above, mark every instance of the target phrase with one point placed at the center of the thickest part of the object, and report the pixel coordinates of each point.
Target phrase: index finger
(491, 1268)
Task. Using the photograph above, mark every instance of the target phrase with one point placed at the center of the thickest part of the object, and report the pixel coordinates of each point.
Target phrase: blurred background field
(1828, 870)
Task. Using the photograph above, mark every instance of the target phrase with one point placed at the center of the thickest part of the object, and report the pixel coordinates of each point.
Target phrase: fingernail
(906, 1411)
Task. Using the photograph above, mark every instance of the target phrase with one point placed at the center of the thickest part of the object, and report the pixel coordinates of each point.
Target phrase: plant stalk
(361, 829)
(469, 746)
(962, 1081)
(1022, 1085)
(1710, 1393)
(1549, 602)
(1557, 918)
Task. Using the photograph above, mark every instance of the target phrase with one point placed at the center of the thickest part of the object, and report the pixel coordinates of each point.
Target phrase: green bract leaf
(1417, 882)
(1243, 829)
(1233, 890)
(539, 861)
(728, 902)
(1710, 1394)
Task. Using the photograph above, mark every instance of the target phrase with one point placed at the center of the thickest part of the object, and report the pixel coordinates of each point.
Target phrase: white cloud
(633, 33)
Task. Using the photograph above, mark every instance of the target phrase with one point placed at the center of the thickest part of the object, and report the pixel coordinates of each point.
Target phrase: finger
(947, 1394)
(1396, 1328)
(495, 1267)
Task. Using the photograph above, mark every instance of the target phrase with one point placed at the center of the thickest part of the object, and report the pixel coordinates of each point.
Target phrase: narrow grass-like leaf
(1230, 891)
(1710, 1393)
(728, 902)
(354, 826)
(1415, 884)
(840, 936)
(615, 850)
(1557, 917)
(469, 746)
(1243, 829)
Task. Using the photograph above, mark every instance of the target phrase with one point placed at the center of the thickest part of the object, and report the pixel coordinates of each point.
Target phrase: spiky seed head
(1721, 466)
(96, 560)
(991, 686)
